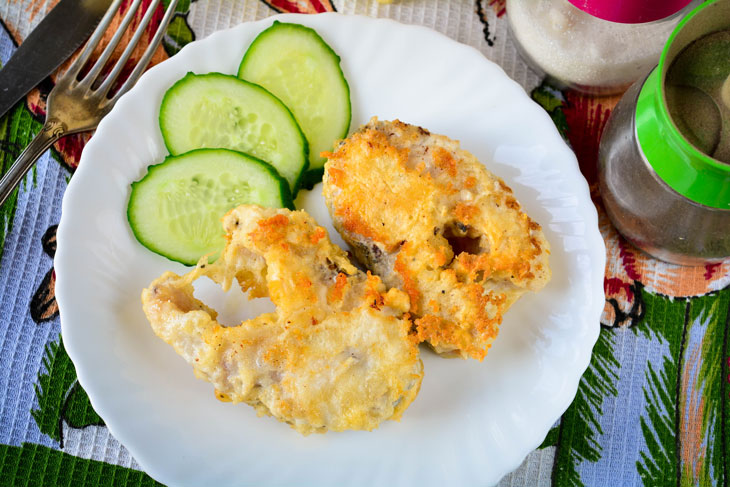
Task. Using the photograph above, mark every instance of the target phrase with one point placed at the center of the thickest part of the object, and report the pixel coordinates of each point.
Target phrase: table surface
(652, 409)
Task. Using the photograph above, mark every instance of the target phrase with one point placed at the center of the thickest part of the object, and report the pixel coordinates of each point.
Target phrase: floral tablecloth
(653, 408)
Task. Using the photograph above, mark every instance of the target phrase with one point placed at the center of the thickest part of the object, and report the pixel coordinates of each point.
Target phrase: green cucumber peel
(175, 209)
(217, 110)
(315, 89)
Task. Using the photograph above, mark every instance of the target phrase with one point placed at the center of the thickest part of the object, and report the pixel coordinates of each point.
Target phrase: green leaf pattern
(41, 466)
(576, 438)
(685, 421)
(60, 397)
(17, 128)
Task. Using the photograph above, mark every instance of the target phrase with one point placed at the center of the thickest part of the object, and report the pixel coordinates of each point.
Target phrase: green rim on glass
(676, 161)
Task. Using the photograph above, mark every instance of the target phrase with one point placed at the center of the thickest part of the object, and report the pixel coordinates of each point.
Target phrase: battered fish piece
(430, 219)
(336, 354)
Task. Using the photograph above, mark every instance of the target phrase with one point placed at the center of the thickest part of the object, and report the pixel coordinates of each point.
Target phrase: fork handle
(52, 130)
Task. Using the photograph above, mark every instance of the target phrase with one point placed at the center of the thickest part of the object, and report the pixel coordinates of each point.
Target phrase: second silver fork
(75, 105)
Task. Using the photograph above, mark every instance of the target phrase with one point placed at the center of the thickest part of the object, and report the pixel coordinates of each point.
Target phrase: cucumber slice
(175, 209)
(296, 65)
(220, 111)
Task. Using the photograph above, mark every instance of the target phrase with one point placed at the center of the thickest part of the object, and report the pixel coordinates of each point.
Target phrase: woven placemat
(652, 409)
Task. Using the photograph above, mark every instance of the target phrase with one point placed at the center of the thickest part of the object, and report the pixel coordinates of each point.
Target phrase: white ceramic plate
(472, 422)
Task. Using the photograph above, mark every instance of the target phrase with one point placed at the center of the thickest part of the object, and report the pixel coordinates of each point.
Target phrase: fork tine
(109, 49)
(148, 53)
(111, 78)
(73, 71)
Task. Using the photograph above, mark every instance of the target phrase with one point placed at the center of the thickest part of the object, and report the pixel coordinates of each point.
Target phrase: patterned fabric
(653, 408)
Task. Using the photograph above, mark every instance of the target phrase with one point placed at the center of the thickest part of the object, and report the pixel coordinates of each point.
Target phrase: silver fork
(75, 105)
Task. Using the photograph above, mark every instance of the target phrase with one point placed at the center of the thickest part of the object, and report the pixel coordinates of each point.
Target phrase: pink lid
(630, 11)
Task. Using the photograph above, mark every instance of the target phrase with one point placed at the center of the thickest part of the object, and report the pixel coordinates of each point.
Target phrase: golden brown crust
(429, 218)
(337, 354)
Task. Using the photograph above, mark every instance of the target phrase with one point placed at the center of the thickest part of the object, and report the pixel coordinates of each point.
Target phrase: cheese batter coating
(338, 352)
(430, 219)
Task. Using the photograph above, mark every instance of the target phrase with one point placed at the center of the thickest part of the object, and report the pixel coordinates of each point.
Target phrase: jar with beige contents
(664, 158)
(595, 46)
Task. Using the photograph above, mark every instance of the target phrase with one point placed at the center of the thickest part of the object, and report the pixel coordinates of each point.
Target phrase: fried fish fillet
(429, 218)
(336, 354)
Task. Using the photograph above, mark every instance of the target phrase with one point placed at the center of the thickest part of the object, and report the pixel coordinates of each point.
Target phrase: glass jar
(595, 46)
(664, 156)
